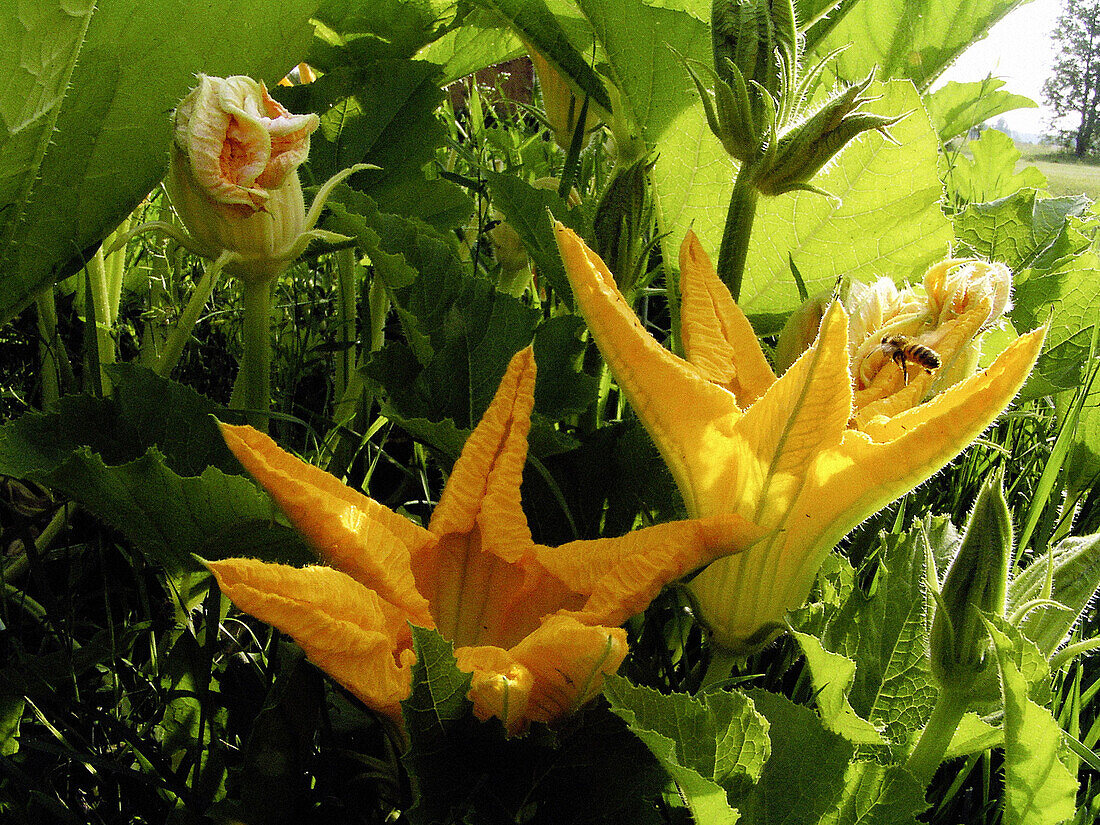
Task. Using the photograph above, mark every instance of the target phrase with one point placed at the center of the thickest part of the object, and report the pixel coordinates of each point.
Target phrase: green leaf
(973, 735)
(1021, 229)
(438, 700)
(11, 712)
(876, 794)
(1039, 790)
(383, 113)
(482, 40)
(711, 746)
(804, 777)
(914, 39)
(1070, 289)
(150, 462)
(832, 675)
(528, 211)
(377, 29)
(1076, 578)
(537, 24)
(885, 632)
(991, 174)
(562, 388)
(957, 107)
(78, 152)
(888, 221)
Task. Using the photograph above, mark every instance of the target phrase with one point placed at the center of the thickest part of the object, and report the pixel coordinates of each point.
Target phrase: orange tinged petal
(805, 411)
(718, 338)
(352, 532)
(343, 627)
(499, 685)
(484, 485)
(678, 406)
(568, 661)
(621, 576)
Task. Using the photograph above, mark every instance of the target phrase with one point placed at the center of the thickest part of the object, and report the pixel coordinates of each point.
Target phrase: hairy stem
(252, 390)
(936, 736)
(735, 236)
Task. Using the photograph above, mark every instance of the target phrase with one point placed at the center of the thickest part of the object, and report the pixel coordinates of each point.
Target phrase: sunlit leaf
(711, 745)
(1039, 789)
(76, 159)
(956, 107)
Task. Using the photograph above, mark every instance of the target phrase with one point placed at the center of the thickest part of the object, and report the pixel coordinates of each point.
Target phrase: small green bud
(759, 39)
(976, 583)
(621, 221)
(805, 147)
(800, 331)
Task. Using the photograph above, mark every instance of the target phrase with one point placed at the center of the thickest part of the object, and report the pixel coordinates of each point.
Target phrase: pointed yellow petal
(568, 661)
(804, 412)
(499, 686)
(484, 485)
(621, 576)
(890, 456)
(718, 338)
(343, 627)
(683, 411)
(355, 534)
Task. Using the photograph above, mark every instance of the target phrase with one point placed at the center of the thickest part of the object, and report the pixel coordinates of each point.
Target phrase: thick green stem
(181, 333)
(101, 300)
(735, 237)
(49, 347)
(252, 391)
(936, 736)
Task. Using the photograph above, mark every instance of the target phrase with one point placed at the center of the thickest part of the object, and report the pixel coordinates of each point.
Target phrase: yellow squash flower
(536, 626)
(787, 454)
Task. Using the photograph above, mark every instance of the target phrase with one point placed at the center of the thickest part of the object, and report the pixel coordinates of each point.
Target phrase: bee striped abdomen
(901, 350)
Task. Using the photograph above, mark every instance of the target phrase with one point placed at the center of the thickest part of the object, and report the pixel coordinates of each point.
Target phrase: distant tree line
(1074, 85)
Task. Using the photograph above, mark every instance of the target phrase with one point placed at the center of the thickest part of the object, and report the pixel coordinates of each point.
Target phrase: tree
(1074, 85)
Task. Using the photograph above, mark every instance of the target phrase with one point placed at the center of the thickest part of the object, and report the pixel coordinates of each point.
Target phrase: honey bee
(900, 349)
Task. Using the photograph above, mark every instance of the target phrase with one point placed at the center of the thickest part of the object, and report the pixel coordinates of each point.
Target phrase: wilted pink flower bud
(233, 176)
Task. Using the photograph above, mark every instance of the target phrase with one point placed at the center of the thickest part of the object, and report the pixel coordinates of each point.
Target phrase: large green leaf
(150, 462)
(1039, 789)
(482, 40)
(1071, 289)
(535, 23)
(888, 221)
(803, 779)
(76, 159)
(886, 634)
(990, 172)
(383, 113)
(914, 39)
(711, 746)
(956, 107)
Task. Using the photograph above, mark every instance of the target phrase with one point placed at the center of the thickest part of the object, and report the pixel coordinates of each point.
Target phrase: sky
(1018, 50)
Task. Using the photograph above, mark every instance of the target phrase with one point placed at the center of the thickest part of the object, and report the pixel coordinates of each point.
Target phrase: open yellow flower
(787, 453)
(536, 626)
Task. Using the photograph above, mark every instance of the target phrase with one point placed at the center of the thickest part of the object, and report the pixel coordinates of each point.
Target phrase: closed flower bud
(805, 147)
(958, 286)
(233, 176)
(800, 331)
(976, 583)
